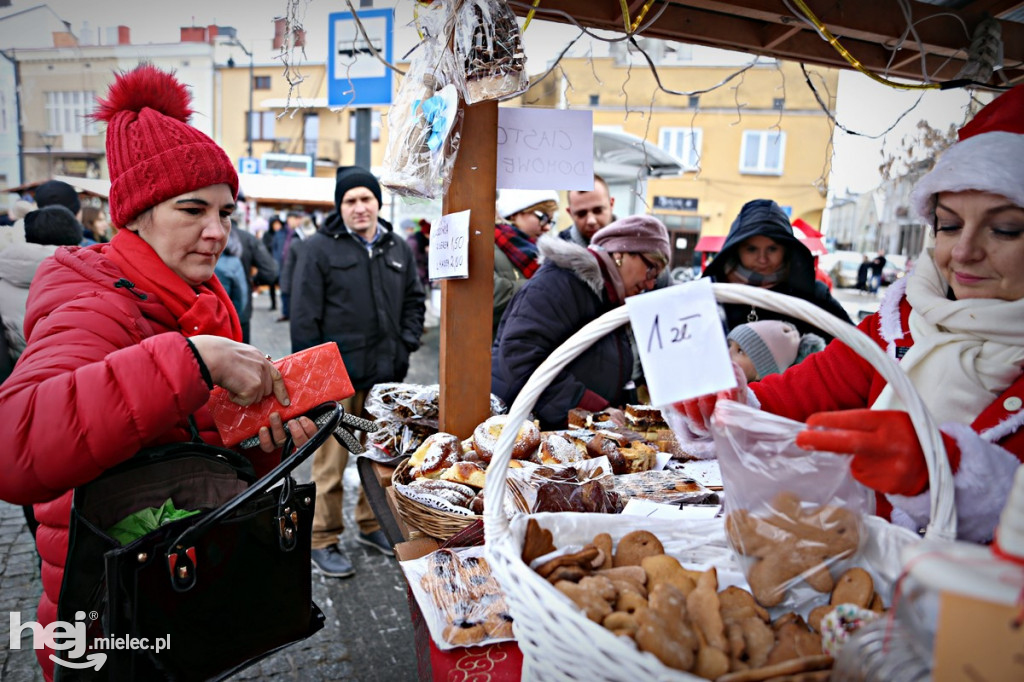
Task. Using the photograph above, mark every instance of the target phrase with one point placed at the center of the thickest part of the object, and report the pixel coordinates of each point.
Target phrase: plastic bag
(489, 51)
(585, 486)
(461, 601)
(425, 119)
(406, 414)
(794, 517)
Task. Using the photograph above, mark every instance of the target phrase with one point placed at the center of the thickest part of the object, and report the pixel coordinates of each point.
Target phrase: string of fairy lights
(979, 68)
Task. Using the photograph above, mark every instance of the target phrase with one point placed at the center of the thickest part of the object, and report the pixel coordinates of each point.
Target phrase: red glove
(887, 456)
(698, 410)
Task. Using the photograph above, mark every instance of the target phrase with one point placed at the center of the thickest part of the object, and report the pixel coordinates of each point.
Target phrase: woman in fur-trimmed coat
(574, 286)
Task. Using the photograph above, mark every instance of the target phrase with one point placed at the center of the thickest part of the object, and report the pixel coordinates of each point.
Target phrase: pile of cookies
(468, 598)
(678, 615)
(790, 543)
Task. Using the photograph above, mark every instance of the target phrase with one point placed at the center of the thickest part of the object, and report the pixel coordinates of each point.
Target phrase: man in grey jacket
(356, 284)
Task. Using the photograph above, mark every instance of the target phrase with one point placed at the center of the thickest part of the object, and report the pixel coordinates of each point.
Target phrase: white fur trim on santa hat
(890, 323)
(990, 162)
(982, 485)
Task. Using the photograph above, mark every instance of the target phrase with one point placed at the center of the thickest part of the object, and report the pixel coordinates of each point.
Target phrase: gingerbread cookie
(635, 546)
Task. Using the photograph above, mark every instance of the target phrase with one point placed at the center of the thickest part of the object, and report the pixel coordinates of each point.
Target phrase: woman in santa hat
(126, 340)
(956, 328)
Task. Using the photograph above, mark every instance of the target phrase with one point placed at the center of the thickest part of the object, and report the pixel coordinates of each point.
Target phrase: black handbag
(203, 596)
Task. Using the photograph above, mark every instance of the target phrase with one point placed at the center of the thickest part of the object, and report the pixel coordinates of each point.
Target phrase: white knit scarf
(965, 353)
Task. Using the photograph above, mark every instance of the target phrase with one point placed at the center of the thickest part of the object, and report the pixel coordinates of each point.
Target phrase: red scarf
(205, 309)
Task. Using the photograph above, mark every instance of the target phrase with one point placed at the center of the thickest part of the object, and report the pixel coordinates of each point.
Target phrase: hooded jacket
(567, 292)
(763, 217)
(368, 301)
(104, 374)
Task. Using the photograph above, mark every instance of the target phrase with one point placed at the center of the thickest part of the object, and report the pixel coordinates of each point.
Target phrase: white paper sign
(448, 257)
(545, 149)
(681, 342)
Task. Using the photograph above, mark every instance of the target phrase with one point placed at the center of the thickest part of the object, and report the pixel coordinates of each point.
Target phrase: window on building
(778, 104)
(763, 152)
(595, 100)
(68, 112)
(310, 134)
(374, 126)
(682, 143)
(262, 124)
(694, 101)
(261, 82)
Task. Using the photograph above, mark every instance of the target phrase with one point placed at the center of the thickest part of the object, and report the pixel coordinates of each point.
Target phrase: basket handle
(943, 512)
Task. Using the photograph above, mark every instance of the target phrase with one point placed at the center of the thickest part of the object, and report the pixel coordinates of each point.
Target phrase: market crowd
(122, 318)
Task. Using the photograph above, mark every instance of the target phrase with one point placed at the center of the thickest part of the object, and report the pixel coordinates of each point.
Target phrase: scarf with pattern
(518, 247)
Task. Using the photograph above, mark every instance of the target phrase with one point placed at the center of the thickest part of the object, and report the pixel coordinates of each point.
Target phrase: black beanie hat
(56, 192)
(54, 225)
(355, 176)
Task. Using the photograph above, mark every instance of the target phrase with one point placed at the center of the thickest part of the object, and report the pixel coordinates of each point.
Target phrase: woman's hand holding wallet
(313, 376)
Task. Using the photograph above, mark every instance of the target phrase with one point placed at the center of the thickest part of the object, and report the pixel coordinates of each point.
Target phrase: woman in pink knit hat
(956, 328)
(126, 340)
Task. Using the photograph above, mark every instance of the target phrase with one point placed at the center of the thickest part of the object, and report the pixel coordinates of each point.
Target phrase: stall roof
(283, 190)
(97, 187)
(875, 32)
(619, 155)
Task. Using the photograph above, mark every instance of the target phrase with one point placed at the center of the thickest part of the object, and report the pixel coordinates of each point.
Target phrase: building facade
(761, 134)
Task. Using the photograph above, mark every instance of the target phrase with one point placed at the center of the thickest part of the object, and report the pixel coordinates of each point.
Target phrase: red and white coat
(105, 373)
(991, 448)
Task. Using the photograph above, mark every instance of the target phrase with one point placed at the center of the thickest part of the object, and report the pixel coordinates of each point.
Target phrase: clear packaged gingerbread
(425, 120)
(489, 51)
(584, 486)
(462, 603)
(795, 518)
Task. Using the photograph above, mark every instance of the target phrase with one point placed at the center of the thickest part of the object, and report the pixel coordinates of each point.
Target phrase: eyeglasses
(543, 217)
(653, 269)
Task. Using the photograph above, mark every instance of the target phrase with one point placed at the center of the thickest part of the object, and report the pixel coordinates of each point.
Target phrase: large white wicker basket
(558, 642)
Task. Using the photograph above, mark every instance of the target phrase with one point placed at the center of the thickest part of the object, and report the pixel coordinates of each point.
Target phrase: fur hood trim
(570, 256)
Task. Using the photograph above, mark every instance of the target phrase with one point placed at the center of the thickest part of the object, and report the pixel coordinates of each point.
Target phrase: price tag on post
(681, 342)
(448, 257)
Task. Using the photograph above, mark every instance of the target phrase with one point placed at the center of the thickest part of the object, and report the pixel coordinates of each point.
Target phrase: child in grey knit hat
(769, 347)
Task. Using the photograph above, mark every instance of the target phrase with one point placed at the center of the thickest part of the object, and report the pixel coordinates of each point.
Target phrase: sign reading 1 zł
(681, 342)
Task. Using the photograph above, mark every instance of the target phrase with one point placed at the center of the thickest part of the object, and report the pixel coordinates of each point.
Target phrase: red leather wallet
(312, 376)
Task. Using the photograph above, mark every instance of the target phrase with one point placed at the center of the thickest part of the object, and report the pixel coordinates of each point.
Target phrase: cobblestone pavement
(368, 634)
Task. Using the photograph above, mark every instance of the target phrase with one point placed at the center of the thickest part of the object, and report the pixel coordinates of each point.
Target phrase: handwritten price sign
(681, 342)
(448, 257)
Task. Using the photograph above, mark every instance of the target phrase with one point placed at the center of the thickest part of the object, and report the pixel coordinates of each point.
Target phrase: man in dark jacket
(355, 283)
(761, 250)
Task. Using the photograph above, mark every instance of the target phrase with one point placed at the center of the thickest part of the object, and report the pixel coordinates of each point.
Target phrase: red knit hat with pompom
(153, 154)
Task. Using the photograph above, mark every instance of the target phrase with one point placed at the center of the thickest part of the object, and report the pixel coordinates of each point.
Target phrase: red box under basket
(313, 376)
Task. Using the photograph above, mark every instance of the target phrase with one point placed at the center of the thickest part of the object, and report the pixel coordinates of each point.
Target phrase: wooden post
(467, 306)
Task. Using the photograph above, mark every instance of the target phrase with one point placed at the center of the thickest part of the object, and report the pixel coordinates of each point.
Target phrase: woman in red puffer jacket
(127, 339)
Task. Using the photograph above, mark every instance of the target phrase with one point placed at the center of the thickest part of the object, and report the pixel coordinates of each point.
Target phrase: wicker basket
(434, 522)
(557, 640)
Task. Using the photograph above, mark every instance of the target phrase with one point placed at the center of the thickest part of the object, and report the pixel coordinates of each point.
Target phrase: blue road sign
(356, 77)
